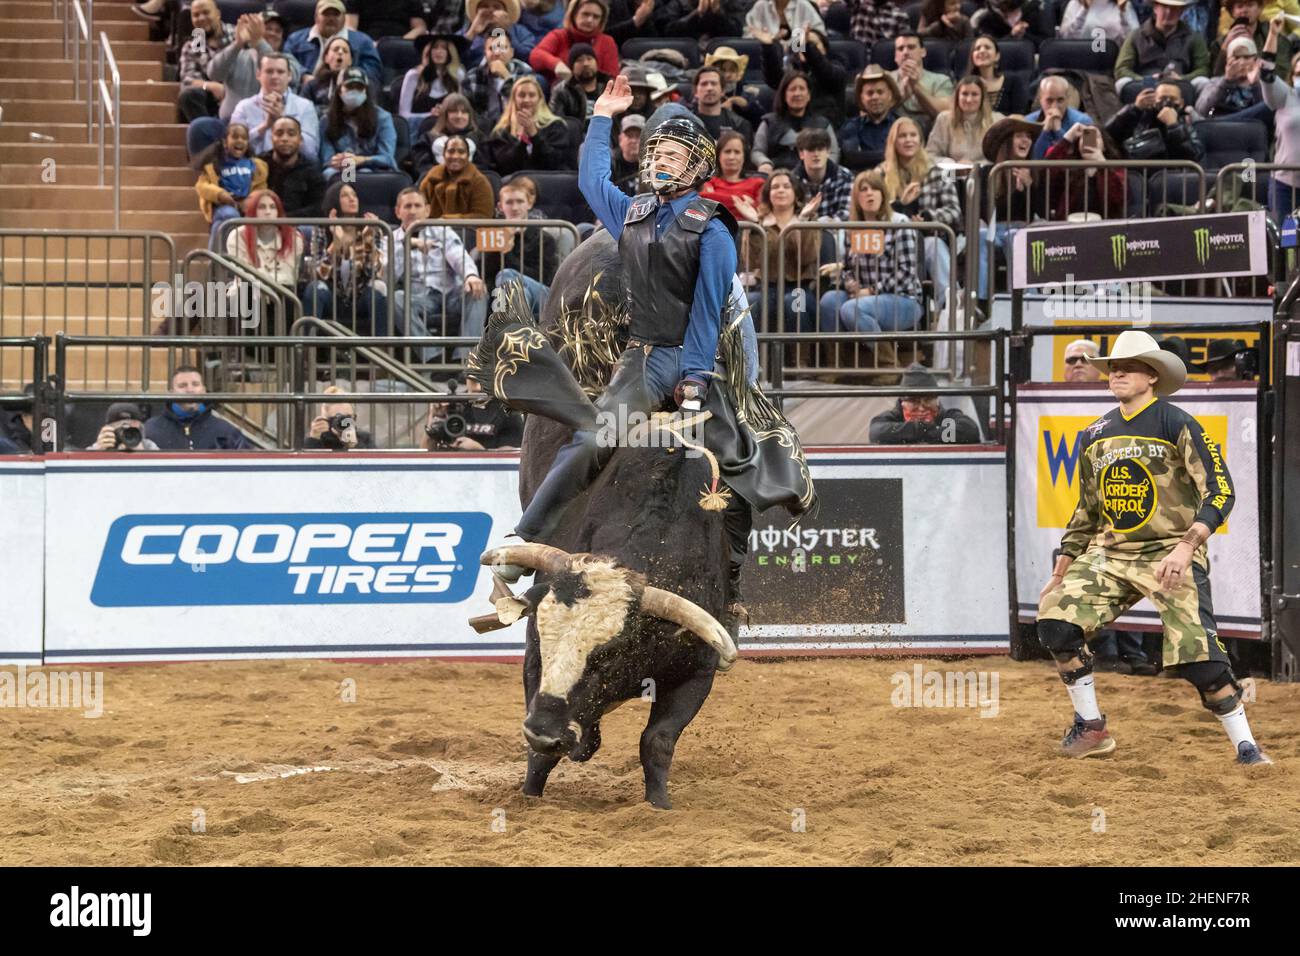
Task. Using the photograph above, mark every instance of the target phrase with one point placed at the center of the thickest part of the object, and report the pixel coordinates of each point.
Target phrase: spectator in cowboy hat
(648, 89)
(1178, 345)
(305, 44)
(922, 419)
(1015, 195)
(735, 96)
(1226, 360)
(487, 18)
(862, 139)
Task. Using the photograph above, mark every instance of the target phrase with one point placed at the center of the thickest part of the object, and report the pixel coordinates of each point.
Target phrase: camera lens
(128, 436)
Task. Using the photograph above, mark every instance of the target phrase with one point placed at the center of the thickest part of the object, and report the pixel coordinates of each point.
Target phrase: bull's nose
(542, 743)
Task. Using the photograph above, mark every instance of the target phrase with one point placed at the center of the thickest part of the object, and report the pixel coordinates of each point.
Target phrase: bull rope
(714, 496)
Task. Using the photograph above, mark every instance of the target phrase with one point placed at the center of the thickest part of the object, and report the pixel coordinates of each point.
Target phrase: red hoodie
(554, 49)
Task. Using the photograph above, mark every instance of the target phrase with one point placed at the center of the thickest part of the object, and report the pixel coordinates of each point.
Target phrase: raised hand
(616, 98)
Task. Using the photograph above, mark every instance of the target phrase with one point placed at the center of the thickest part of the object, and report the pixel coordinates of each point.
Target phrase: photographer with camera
(123, 430)
(473, 426)
(335, 428)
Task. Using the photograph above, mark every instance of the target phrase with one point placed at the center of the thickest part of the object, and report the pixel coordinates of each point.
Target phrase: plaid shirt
(938, 200)
(872, 20)
(892, 271)
(479, 87)
(836, 190)
(196, 54)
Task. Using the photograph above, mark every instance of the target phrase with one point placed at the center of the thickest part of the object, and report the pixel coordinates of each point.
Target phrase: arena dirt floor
(425, 766)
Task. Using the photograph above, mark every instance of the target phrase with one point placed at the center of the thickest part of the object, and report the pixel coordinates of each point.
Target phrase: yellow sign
(1060, 448)
(1198, 343)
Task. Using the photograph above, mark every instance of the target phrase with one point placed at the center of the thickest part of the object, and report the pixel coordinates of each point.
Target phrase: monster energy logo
(1119, 250)
(1202, 237)
(1040, 252)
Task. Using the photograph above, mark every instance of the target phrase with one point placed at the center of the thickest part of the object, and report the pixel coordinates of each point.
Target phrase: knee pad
(1208, 677)
(1061, 638)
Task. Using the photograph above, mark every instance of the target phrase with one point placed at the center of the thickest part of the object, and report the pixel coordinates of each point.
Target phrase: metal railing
(79, 25)
(825, 278)
(32, 360)
(1062, 178)
(88, 281)
(112, 102)
(298, 392)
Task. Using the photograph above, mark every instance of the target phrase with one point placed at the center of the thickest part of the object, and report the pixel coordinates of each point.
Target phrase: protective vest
(660, 273)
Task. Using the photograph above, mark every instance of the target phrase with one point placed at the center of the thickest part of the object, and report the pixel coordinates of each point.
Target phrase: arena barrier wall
(1081, 307)
(1049, 422)
(22, 529)
(191, 557)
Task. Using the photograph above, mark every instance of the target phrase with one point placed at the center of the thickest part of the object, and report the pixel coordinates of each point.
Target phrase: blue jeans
(886, 312)
(219, 215)
(1282, 198)
(371, 308)
(1002, 234)
(202, 133)
(799, 311)
(534, 291)
(634, 387)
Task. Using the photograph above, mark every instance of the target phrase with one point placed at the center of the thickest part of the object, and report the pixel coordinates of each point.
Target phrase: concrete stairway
(49, 175)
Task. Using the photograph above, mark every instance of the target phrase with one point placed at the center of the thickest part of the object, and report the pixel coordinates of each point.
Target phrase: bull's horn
(673, 607)
(539, 557)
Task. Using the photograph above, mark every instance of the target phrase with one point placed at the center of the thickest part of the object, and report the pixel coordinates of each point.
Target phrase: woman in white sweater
(766, 18)
(958, 133)
(1115, 18)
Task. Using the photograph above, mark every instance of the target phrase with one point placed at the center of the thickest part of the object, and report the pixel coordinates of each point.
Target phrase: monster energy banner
(1183, 247)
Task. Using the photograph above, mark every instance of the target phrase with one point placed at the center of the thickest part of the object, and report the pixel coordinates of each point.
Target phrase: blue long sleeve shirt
(1046, 140)
(717, 251)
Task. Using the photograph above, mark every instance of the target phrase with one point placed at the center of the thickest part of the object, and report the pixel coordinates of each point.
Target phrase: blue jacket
(717, 251)
(306, 50)
(520, 38)
(1047, 140)
(203, 432)
(381, 148)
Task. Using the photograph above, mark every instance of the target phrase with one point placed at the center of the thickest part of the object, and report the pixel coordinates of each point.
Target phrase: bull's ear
(511, 608)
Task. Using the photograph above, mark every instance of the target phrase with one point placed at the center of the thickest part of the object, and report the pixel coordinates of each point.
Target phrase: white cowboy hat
(1141, 347)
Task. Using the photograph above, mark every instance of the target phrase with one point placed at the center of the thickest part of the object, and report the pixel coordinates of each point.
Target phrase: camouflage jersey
(1144, 480)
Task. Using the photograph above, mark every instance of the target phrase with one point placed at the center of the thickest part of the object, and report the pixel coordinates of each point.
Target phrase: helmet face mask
(676, 156)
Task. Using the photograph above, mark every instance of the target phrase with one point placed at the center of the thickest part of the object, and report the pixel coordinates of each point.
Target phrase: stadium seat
(688, 47)
(1017, 56)
(558, 195)
(913, 11)
(938, 55)
(1057, 54)
(232, 10)
(1179, 187)
(299, 13)
(851, 53)
(745, 47)
(397, 55)
(1227, 141)
(376, 191)
(837, 20)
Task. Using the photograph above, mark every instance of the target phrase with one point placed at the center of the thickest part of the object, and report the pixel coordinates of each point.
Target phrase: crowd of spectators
(383, 114)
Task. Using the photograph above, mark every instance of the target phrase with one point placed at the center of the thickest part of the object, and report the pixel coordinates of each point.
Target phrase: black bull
(643, 512)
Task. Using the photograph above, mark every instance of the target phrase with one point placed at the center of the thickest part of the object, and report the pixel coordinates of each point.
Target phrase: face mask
(353, 98)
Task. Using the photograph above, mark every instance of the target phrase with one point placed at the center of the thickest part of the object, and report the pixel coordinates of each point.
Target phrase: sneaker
(1248, 752)
(1087, 738)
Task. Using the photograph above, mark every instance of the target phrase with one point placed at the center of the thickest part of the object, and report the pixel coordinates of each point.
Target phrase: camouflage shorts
(1099, 588)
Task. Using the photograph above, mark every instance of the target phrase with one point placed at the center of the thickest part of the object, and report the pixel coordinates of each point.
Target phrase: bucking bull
(628, 591)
